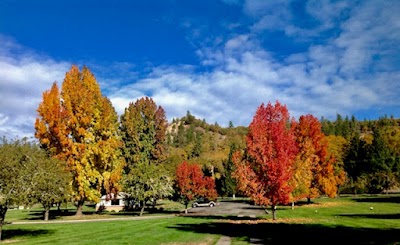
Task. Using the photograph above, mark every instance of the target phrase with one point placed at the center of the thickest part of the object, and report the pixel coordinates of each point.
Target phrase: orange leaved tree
(264, 171)
(79, 125)
(191, 183)
(313, 172)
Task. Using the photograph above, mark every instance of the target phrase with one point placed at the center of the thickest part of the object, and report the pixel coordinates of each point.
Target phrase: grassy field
(344, 220)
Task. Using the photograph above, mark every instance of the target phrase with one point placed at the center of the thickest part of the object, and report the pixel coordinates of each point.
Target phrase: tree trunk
(59, 207)
(186, 209)
(3, 210)
(46, 213)
(233, 196)
(309, 200)
(79, 208)
(273, 212)
(142, 208)
(292, 205)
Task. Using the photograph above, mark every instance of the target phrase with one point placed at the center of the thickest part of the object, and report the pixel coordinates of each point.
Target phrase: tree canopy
(143, 127)
(28, 175)
(191, 183)
(265, 170)
(79, 125)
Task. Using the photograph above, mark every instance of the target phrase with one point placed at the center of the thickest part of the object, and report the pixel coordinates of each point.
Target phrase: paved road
(231, 208)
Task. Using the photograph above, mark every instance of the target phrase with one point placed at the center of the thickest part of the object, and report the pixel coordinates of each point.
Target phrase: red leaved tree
(263, 173)
(191, 183)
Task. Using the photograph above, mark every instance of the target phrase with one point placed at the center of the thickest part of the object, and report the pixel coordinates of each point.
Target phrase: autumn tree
(264, 171)
(79, 125)
(191, 183)
(305, 165)
(314, 172)
(143, 129)
(337, 147)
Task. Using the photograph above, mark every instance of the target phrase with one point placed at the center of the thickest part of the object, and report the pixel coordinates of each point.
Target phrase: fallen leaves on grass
(208, 241)
(323, 205)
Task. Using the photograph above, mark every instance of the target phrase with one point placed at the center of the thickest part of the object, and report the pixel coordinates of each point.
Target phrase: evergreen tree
(339, 125)
(180, 139)
(229, 182)
(198, 148)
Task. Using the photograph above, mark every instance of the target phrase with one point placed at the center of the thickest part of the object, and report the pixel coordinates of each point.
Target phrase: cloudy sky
(218, 59)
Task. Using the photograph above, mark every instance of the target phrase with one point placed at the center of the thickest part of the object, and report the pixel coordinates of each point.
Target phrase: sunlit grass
(368, 219)
(110, 232)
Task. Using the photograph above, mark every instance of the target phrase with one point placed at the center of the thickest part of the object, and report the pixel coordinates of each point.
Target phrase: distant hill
(194, 140)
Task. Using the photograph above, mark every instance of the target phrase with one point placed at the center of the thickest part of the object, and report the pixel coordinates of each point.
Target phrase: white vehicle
(203, 202)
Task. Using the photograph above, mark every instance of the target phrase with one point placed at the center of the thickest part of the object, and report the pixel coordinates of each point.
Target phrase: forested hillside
(368, 150)
(210, 145)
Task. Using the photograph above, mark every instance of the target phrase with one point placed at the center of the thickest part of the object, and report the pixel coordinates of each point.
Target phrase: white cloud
(24, 76)
(328, 78)
(260, 7)
(327, 12)
(352, 67)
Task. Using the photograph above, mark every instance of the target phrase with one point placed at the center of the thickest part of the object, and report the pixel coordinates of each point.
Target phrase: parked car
(203, 202)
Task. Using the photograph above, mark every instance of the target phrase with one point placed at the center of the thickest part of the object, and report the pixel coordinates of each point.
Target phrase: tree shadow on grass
(282, 233)
(37, 215)
(381, 198)
(10, 233)
(219, 217)
(54, 214)
(373, 216)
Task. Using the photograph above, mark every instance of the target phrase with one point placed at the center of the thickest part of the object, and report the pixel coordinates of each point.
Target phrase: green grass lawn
(156, 231)
(345, 220)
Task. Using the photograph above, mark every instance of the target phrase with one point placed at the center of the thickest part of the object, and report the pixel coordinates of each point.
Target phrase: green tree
(355, 162)
(50, 181)
(190, 135)
(383, 161)
(28, 175)
(147, 182)
(229, 182)
(180, 139)
(189, 119)
(339, 125)
(143, 129)
(198, 147)
(15, 175)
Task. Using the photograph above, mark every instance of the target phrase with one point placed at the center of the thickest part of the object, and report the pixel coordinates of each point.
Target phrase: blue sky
(219, 59)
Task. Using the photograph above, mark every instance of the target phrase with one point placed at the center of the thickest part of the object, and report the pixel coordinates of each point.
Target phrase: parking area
(233, 208)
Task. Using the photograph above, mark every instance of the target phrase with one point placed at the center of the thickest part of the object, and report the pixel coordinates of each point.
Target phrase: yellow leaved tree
(79, 125)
